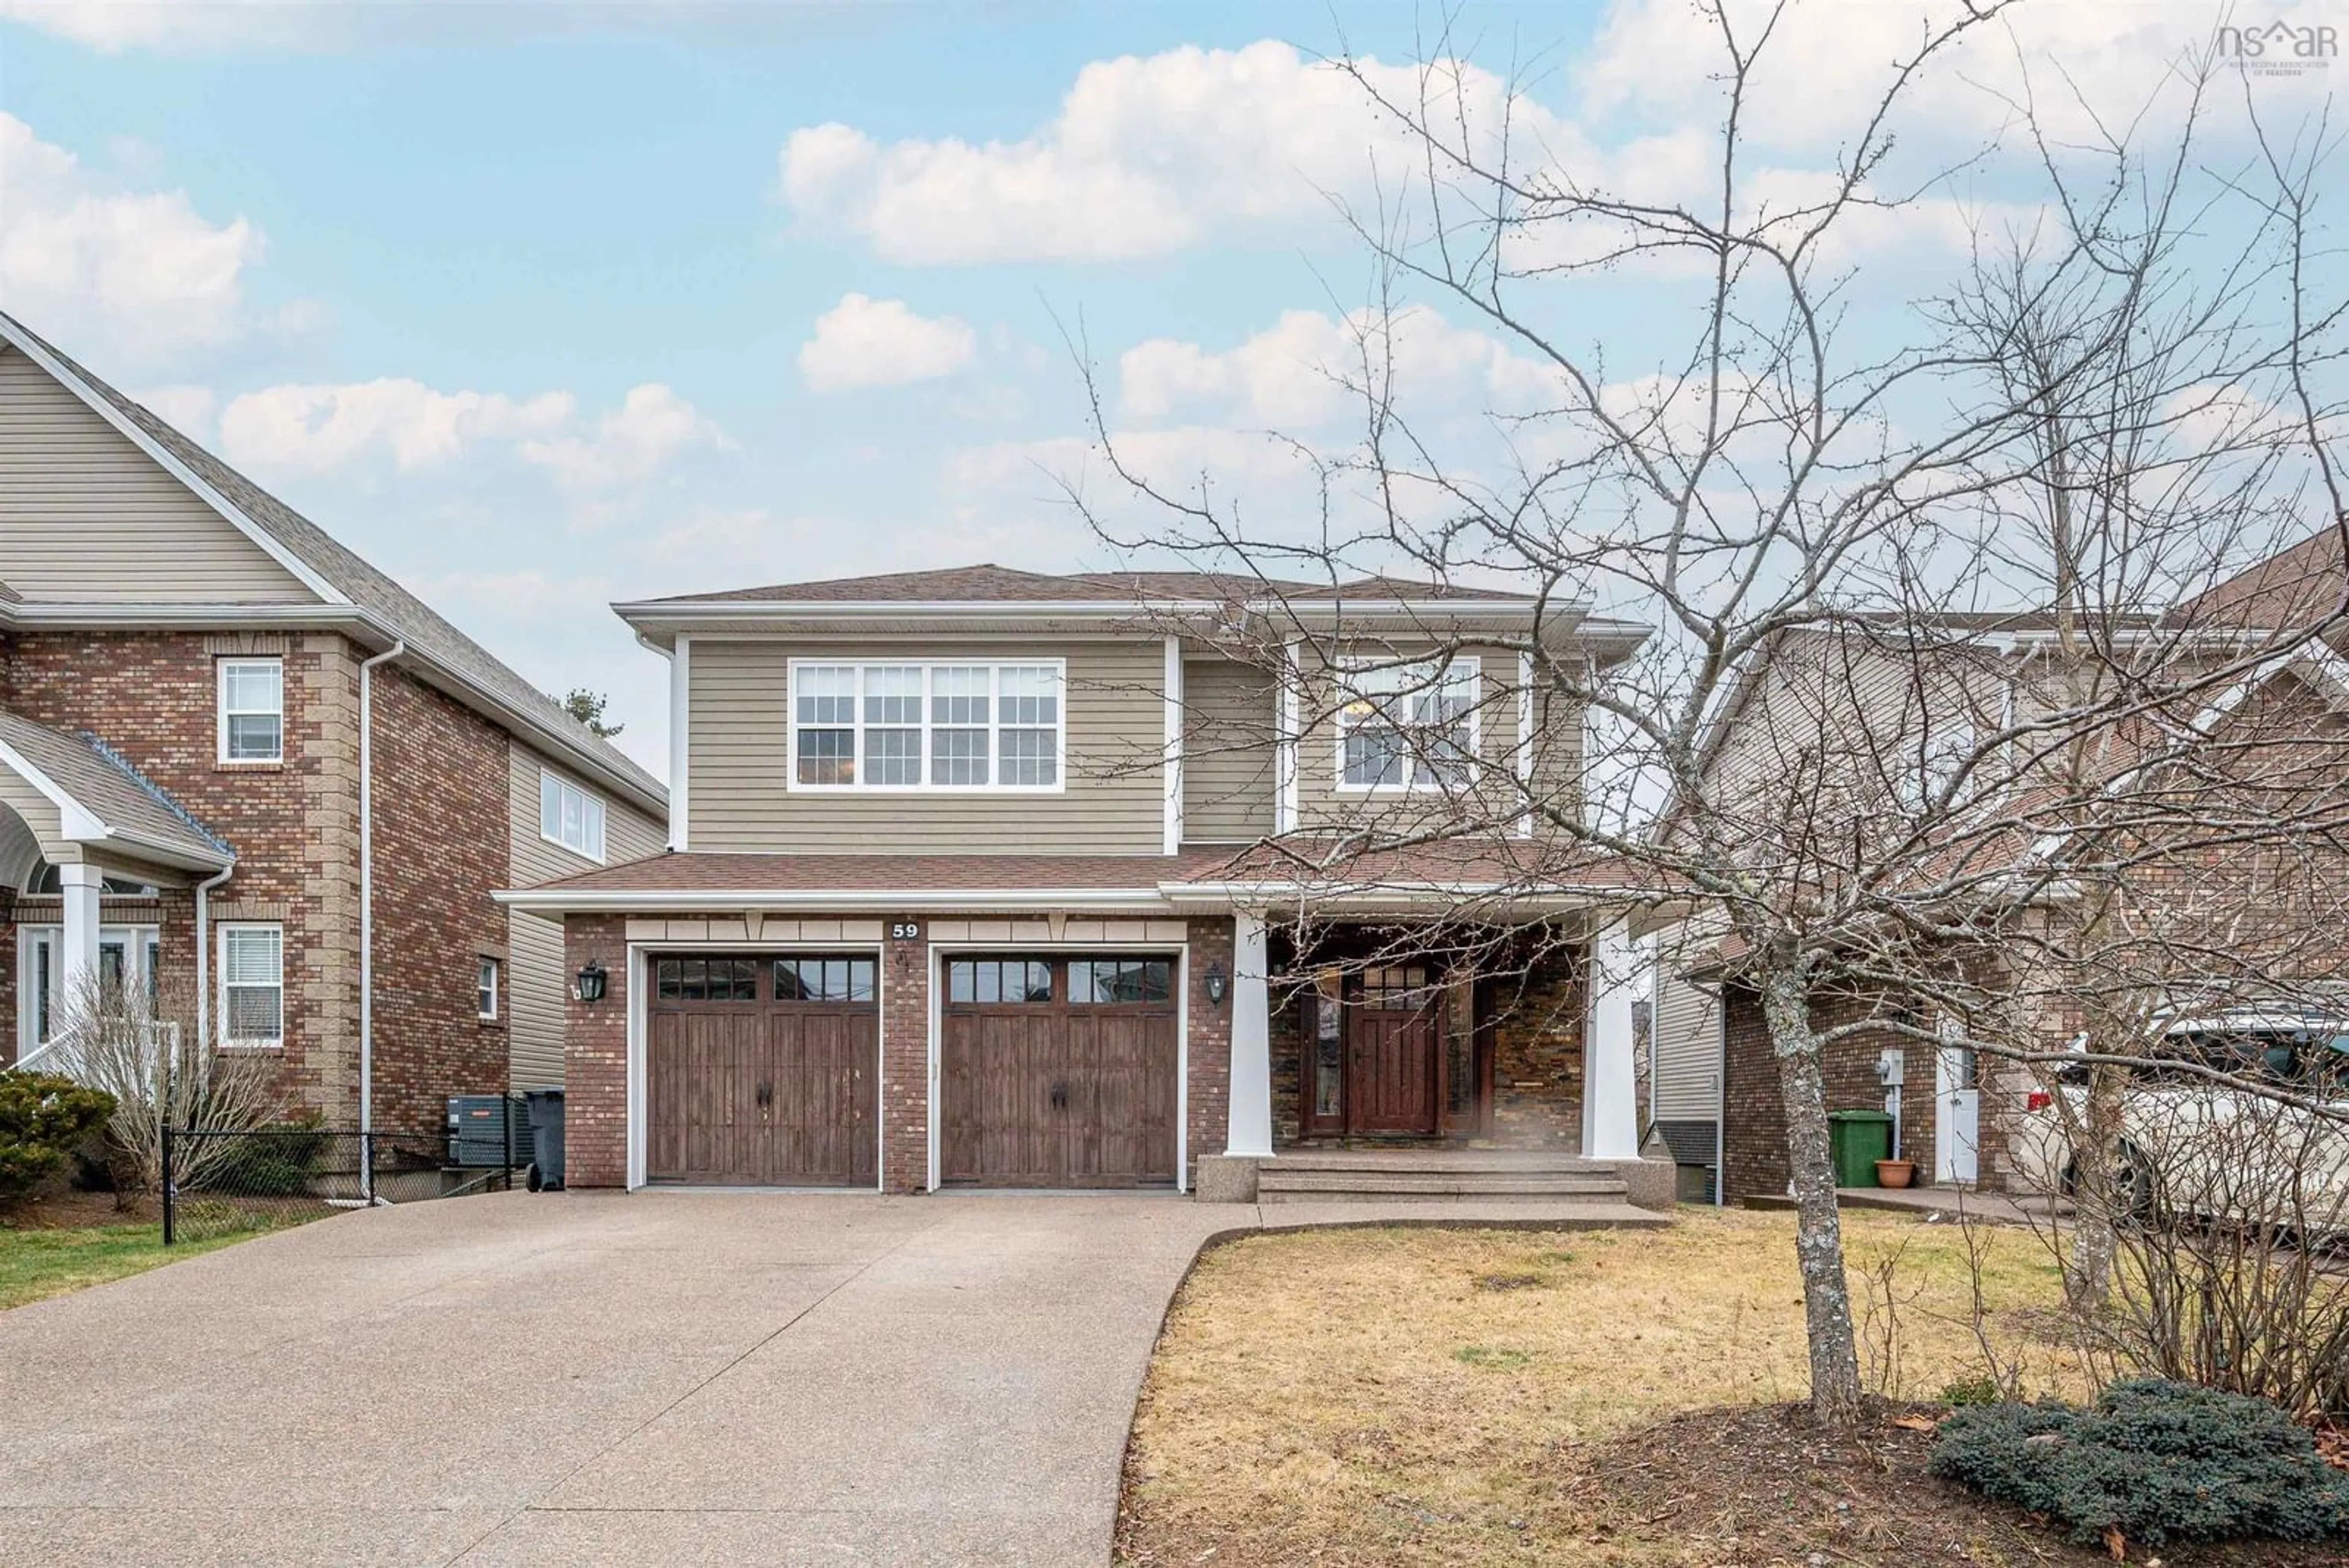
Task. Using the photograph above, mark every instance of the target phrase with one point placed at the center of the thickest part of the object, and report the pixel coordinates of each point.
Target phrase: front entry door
(1388, 1037)
(1957, 1118)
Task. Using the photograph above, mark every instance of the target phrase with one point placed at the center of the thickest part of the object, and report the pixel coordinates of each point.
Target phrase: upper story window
(1407, 725)
(252, 710)
(569, 815)
(927, 726)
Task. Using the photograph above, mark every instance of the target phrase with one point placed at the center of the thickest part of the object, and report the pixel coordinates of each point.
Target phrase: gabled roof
(988, 583)
(341, 577)
(102, 798)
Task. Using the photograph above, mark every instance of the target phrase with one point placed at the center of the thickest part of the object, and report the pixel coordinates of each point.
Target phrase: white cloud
(651, 426)
(133, 276)
(183, 26)
(320, 429)
(1308, 370)
(314, 428)
(1145, 157)
(865, 342)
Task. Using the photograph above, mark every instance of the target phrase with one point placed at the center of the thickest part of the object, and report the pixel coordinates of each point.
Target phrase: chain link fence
(222, 1181)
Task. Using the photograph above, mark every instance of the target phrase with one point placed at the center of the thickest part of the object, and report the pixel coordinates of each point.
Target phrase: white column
(1174, 827)
(1610, 1107)
(80, 969)
(680, 725)
(1251, 1004)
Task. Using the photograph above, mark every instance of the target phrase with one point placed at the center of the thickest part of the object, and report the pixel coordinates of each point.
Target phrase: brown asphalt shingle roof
(988, 583)
(416, 622)
(1515, 863)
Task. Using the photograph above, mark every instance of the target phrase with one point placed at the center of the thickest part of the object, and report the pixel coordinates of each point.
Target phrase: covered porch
(92, 857)
(1386, 1059)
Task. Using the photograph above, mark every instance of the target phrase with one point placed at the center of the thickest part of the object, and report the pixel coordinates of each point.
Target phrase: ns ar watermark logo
(2279, 48)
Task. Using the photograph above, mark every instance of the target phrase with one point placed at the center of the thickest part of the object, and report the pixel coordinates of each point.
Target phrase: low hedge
(2156, 1460)
(44, 1118)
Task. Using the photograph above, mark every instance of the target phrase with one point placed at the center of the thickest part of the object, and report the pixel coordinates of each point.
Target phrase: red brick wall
(442, 846)
(905, 1061)
(1754, 1122)
(595, 1056)
(1208, 1052)
(151, 696)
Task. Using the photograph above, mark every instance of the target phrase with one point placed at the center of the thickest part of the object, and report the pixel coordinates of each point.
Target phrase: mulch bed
(1762, 1487)
(70, 1209)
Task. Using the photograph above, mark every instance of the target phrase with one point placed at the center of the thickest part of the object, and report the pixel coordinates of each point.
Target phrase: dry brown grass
(1393, 1396)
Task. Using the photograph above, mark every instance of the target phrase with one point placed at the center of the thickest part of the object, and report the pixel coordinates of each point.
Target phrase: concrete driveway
(672, 1378)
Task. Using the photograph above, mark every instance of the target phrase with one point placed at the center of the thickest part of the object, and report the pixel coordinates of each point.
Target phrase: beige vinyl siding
(1556, 746)
(738, 755)
(1228, 779)
(1687, 1082)
(535, 979)
(86, 516)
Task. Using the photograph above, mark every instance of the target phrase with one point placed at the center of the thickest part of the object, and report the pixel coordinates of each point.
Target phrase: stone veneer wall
(1530, 1027)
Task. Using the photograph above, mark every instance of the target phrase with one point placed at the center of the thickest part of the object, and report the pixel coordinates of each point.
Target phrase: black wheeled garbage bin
(546, 1139)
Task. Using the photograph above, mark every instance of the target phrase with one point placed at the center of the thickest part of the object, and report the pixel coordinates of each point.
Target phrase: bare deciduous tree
(1957, 530)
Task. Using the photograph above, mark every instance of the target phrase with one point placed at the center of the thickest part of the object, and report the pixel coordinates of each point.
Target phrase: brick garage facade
(596, 1038)
(1525, 1040)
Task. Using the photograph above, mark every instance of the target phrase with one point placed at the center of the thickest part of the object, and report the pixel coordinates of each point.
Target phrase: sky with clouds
(547, 302)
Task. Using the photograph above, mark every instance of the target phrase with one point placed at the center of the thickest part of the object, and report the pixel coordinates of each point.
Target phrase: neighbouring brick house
(992, 878)
(229, 747)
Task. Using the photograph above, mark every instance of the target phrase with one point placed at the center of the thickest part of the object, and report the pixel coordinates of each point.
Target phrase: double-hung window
(252, 986)
(569, 815)
(1407, 725)
(252, 710)
(945, 725)
(485, 988)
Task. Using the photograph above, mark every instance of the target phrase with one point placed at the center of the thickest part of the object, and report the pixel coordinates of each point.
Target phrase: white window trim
(220, 666)
(1468, 666)
(995, 665)
(602, 816)
(136, 941)
(495, 968)
(220, 955)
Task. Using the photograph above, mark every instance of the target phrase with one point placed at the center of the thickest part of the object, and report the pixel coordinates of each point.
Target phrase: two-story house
(992, 878)
(246, 773)
(2219, 697)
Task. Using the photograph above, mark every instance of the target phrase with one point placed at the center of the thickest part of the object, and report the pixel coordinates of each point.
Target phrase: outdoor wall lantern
(591, 981)
(1217, 983)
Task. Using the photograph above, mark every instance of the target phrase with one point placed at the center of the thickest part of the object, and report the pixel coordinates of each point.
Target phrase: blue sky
(541, 304)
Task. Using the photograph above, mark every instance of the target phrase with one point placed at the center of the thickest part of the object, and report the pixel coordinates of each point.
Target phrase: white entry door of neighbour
(1957, 1118)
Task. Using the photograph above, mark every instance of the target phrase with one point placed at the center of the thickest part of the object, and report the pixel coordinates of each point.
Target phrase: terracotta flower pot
(1895, 1172)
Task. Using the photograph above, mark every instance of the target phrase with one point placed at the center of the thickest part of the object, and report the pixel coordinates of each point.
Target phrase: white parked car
(2199, 1146)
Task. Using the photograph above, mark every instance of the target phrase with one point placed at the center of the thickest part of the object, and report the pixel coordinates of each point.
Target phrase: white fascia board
(105, 614)
(830, 900)
(76, 821)
(235, 515)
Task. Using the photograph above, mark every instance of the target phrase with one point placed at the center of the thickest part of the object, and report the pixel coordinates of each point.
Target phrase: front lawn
(58, 1245)
(1390, 1396)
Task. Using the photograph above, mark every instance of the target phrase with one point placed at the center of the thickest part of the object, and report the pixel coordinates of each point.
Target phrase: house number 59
(905, 930)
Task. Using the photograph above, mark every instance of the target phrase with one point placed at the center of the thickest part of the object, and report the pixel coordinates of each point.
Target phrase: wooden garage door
(1058, 1072)
(763, 1071)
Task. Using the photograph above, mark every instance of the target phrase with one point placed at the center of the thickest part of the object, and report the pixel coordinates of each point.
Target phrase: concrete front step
(1447, 1162)
(1324, 1186)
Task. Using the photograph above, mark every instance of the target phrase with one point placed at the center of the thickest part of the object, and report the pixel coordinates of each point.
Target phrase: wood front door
(763, 1071)
(1374, 1055)
(1058, 1072)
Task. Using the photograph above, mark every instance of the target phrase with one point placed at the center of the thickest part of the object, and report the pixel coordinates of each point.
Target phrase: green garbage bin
(1855, 1141)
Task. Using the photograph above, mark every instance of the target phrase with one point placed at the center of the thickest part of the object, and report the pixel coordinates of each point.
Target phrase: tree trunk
(2096, 1197)
(1819, 1233)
